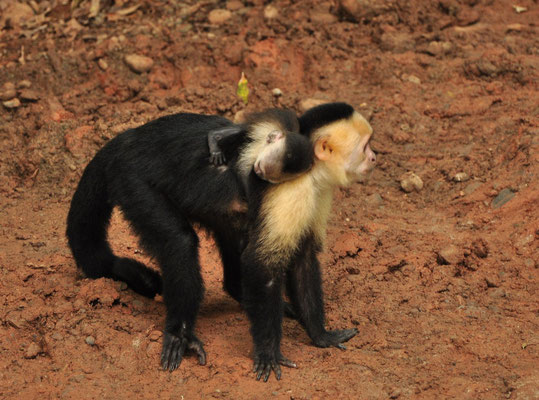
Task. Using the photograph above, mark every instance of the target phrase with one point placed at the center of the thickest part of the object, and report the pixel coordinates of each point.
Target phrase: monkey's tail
(87, 223)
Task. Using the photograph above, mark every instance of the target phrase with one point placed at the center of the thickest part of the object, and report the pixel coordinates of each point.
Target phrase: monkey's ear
(322, 149)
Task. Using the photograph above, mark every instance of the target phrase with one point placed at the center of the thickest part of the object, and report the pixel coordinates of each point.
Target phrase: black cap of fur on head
(324, 114)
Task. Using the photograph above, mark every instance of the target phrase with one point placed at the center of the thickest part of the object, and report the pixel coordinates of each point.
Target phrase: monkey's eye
(289, 155)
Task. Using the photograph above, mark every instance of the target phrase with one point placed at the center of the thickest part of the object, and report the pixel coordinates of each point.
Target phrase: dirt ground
(442, 282)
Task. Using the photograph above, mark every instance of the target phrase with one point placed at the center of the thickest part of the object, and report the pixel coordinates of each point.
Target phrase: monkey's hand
(174, 347)
(264, 364)
(335, 338)
(217, 158)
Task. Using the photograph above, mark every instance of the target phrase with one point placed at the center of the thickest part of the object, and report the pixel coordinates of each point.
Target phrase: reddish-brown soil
(442, 283)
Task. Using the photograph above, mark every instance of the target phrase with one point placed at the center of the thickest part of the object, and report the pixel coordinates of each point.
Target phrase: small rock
(358, 10)
(449, 255)
(410, 182)
(414, 79)
(435, 48)
(24, 84)
(219, 16)
(485, 67)
(277, 92)
(13, 103)
(528, 262)
(32, 351)
(102, 64)
(397, 42)
(374, 200)
(480, 248)
(139, 63)
(503, 197)
(155, 335)
(234, 5)
(29, 95)
(90, 340)
(347, 244)
(497, 293)
(461, 177)
(322, 17)
(271, 12)
(310, 103)
(7, 92)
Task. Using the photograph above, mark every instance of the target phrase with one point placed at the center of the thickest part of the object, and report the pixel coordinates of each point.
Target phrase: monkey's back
(170, 156)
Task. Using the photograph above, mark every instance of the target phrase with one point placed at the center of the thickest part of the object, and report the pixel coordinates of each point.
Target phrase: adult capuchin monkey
(287, 224)
(160, 176)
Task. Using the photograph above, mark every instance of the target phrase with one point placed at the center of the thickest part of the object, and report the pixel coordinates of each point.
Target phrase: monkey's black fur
(324, 114)
(160, 176)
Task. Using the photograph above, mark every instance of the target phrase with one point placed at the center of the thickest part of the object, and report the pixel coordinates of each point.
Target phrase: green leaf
(243, 89)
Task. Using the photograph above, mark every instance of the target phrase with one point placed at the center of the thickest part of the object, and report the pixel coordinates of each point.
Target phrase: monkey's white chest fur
(290, 211)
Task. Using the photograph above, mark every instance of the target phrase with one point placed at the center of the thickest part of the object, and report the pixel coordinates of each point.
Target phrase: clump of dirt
(441, 281)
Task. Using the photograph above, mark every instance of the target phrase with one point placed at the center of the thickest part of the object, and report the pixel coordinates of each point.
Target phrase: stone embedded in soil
(449, 255)
(461, 177)
(138, 63)
(319, 17)
(503, 197)
(29, 95)
(411, 182)
(271, 12)
(234, 5)
(347, 244)
(7, 92)
(155, 335)
(99, 291)
(219, 16)
(13, 103)
(374, 200)
(90, 340)
(397, 42)
(24, 84)
(32, 351)
(358, 10)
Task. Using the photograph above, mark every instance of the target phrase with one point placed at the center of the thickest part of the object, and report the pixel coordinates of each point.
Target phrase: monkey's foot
(174, 347)
(335, 338)
(264, 364)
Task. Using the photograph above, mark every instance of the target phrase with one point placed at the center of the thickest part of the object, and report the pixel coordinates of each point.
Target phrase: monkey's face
(343, 147)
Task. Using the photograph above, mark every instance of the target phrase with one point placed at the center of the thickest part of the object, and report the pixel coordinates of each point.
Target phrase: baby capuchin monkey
(283, 154)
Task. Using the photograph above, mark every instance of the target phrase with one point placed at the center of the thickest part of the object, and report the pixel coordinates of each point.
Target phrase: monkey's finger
(267, 372)
(176, 355)
(260, 371)
(277, 369)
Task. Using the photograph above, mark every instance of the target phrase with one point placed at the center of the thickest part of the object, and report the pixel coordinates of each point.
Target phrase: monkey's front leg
(262, 291)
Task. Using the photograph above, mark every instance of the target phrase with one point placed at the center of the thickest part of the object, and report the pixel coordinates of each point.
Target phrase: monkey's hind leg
(171, 240)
